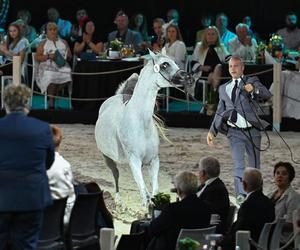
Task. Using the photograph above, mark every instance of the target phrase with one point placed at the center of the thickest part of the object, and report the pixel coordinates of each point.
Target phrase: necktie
(233, 96)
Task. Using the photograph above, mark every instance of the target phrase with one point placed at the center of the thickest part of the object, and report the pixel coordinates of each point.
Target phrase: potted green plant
(260, 53)
(159, 201)
(114, 48)
(188, 244)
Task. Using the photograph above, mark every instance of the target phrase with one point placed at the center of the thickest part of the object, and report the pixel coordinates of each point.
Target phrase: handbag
(59, 59)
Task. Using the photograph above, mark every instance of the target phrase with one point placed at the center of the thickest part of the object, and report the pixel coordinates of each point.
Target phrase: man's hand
(210, 139)
(249, 87)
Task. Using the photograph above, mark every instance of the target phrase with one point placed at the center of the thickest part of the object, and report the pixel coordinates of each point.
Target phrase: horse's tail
(159, 123)
(128, 85)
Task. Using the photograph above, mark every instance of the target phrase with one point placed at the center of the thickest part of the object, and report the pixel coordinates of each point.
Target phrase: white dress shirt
(176, 51)
(241, 121)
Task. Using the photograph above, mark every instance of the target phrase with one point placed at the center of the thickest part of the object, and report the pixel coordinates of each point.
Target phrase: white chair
(5, 80)
(35, 65)
(198, 234)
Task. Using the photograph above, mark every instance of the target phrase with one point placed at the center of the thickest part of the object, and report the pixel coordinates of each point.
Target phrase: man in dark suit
(26, 151)
(189, 212)
(213, 190)
(255, 211)
(237, 117)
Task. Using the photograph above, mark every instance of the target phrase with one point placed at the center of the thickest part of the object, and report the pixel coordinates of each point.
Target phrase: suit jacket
(132, 37)
(191, 212)
(216, 195)
(243, 105)
(26, 151)
(255, 211)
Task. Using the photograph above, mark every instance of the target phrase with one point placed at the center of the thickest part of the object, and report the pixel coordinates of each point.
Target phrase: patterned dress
(48, 72)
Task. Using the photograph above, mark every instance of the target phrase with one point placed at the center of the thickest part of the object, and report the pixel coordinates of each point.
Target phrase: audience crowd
(42, 171)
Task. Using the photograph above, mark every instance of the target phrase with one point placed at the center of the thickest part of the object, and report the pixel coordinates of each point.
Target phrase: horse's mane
(128, 85)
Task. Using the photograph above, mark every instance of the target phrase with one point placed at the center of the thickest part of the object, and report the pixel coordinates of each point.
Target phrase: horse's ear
(152, 54)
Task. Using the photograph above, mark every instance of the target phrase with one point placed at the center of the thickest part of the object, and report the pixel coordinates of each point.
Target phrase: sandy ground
(188, 145)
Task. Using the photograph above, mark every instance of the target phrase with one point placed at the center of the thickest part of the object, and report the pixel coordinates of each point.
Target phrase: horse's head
(168, 72)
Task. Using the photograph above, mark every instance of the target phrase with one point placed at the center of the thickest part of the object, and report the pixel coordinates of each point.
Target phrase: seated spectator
(252, 33)
(14, 45)
(284, 198)
(188, 212)
(290, 33)
(173, 16)
(207, 58)
(60, 176)
(206, 21)
(139, 24)
(175, 48)
(124, 34)
(50, 76)
(63, 26)
(158, 40)
(225, 34)
(243, 45)
(213, 190)
(77, 28)
(29, 32)
(89, 42)
(255, 211)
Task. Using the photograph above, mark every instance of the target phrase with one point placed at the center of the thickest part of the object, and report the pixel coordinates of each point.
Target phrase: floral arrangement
(276, 39)
(116, 45)
(260, 53)
(276, 46)
(161, 199)
(188, 244)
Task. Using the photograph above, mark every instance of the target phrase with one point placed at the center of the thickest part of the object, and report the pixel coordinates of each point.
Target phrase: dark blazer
(254, 212)
(244, 104)
(191, 212)
(216, 195)
(26, 151)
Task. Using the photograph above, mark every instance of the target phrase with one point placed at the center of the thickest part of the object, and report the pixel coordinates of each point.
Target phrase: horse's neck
(145, 92)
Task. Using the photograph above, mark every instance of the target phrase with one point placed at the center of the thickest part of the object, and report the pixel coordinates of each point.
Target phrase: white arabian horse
(125, 130)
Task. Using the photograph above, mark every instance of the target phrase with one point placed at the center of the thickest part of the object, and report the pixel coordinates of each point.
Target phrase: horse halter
(179, 75)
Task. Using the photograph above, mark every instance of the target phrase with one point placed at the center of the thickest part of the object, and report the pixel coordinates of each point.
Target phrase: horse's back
(110, 115)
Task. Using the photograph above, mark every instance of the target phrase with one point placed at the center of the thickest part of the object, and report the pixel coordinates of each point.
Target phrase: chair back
(52, 233)
(264, 236)
(82, 230)
(275, 239)
(230, 217)
(132, 241)
(196, 234)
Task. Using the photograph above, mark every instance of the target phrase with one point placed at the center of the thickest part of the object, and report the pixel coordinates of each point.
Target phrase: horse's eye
(165, 65)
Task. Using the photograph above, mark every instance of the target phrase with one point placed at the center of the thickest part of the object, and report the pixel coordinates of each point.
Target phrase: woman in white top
(51, 77)
(60, 176)
(175, 47)
(14, 45)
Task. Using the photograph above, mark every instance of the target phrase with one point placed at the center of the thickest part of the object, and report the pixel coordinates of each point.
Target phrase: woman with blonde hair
(53, 69)
(207, 58)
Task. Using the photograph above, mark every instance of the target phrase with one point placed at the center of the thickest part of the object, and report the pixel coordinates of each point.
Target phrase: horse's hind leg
(136, 169)
(153, 169)
(113, 167)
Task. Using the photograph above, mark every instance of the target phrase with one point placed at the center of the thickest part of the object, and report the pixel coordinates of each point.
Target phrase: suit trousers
(20, 230)
(242, 142)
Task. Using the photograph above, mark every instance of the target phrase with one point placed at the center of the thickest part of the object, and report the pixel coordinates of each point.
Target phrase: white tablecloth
(290, 89)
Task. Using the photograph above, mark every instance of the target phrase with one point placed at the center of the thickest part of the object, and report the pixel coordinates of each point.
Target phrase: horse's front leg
(153, 173)
(136, 169)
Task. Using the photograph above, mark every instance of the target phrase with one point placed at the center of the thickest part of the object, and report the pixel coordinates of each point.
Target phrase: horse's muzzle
(182, 78)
